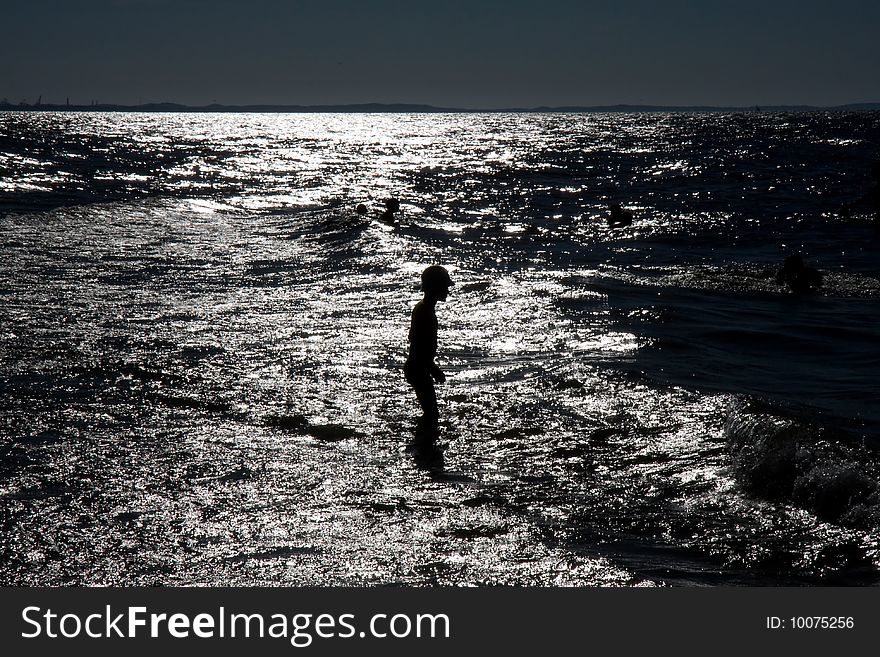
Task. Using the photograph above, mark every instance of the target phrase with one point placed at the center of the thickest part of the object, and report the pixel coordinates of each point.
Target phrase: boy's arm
(437, 373)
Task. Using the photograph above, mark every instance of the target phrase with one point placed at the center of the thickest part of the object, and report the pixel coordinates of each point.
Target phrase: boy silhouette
(420, 369)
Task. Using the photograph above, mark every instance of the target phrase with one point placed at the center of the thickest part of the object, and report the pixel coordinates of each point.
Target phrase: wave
(786, 460)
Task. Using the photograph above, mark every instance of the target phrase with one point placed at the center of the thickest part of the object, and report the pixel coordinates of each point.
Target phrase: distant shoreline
(381, 108)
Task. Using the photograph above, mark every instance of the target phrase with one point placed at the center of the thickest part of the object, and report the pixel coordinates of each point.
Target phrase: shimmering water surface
(202, 349)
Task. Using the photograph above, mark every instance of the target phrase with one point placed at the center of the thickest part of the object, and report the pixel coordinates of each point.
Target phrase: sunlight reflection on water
(215, 383)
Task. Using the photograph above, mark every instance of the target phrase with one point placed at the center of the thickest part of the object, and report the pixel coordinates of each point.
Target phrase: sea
(202, 346)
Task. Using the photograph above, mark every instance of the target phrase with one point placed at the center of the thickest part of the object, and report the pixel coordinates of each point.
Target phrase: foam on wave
(786, 460)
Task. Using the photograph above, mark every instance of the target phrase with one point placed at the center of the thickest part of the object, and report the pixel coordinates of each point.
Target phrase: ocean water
(202, 347)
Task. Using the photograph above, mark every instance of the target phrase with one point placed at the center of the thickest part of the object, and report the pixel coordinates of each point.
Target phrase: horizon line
(419, 107)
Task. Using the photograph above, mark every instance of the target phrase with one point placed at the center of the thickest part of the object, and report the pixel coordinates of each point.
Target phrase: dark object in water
(619, 217)
(241, 472)
(295, 423)
(298, 424)
(361, 208)
(331, 433)
(392, 205)
(797, 276)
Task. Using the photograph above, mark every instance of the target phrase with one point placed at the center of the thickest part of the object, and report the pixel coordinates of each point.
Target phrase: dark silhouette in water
(361, 209)
(619, 217)
(420, 369)
(392, 205)
(797, 276)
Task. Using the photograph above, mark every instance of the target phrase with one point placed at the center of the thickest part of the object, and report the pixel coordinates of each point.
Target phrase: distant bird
(797, 276)
(619, 218)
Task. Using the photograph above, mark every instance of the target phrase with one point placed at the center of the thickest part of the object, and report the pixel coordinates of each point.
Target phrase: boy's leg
(427, 397)
(425, 393)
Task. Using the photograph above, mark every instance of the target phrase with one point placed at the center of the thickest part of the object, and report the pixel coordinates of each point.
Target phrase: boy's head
(436, 282)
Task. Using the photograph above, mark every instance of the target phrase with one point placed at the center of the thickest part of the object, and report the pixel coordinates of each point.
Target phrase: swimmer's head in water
(392, 205)
(794, 262)
(436, 281)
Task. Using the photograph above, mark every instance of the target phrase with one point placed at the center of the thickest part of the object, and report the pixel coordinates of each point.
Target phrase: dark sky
(461, 53)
